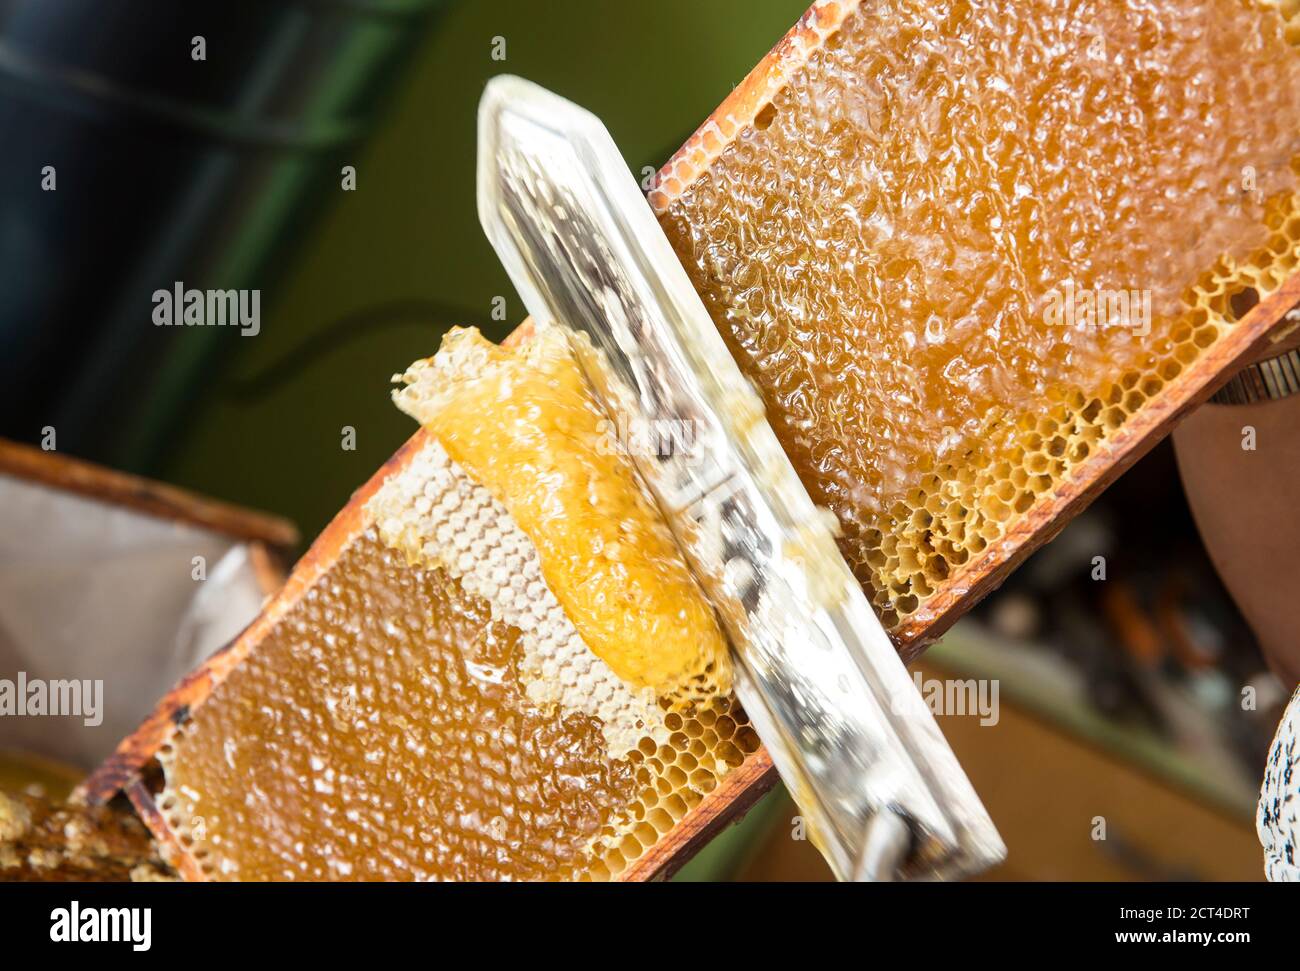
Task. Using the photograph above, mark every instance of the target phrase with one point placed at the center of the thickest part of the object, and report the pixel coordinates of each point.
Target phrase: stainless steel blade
(845, 725)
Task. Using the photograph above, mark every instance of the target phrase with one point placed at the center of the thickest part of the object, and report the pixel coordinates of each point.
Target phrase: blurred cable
(171, 167)
(343, 331)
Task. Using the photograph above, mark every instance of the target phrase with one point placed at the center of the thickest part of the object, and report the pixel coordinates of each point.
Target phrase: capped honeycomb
(965, 243)
(429, 709)
(44, 840)
(439, 517)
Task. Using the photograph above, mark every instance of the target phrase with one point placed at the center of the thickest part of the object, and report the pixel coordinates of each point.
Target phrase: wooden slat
(63, 472)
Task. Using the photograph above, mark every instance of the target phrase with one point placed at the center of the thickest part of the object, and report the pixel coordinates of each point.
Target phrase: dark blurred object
(168, 169)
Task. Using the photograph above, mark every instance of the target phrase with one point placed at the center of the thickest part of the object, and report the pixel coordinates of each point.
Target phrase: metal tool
(881, 791)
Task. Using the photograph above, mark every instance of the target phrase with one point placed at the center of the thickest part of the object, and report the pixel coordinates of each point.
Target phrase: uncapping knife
(881, 791)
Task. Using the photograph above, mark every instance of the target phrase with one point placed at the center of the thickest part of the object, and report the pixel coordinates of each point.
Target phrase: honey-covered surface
(884, 250)
(907, 247)
(379, 733)
(37, 776)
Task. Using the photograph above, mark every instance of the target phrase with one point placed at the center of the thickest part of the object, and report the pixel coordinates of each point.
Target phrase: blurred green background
(265, 428)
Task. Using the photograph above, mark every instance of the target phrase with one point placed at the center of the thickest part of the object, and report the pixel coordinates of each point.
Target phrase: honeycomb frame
(1083, 443)
(667, 799)
(1237, 338)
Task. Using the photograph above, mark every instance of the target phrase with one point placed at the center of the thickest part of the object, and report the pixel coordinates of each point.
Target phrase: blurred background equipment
(136, 159)
(226, 173)
(112, 588)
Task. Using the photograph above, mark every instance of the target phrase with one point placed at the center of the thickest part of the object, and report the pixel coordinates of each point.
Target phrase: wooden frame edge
(124, 766)
(1115, 455)
(735, 795)
(747, 99)
(145, 496)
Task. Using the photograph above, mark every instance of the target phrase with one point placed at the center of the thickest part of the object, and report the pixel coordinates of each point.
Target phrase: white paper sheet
(95, 592)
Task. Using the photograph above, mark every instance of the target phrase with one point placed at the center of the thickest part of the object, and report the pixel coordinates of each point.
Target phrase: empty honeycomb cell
(438, 516)
(973, 187)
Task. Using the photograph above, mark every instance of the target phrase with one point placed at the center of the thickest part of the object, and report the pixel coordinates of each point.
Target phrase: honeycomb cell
(46, 841)
(439, 517)
(955, 219)
(382, 732)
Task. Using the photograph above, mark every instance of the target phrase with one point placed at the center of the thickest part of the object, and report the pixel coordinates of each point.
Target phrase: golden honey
(381, 733)
(40, 777)
(43, 840)
(966, 241)
(524, 424)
